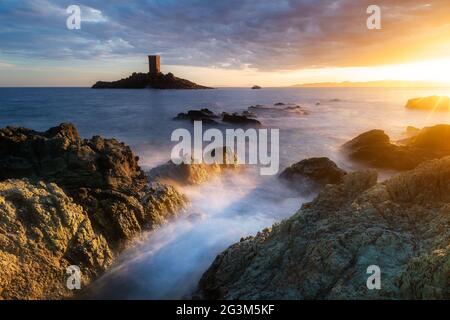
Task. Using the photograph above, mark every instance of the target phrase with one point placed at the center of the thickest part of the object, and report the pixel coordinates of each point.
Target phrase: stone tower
(154, 66)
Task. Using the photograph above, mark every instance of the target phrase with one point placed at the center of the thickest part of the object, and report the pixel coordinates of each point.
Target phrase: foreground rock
(431, 103)
(146, 80)
(41, 233)
(324, 250)
(107, 187)
(375, 148)
(313, 173)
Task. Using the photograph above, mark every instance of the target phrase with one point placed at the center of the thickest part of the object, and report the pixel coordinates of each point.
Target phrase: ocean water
(167, 263)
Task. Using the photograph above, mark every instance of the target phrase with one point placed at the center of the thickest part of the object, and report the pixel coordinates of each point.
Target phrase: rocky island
(154, 79)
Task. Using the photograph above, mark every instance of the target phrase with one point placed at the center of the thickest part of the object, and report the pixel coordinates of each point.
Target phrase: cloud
(264, 34)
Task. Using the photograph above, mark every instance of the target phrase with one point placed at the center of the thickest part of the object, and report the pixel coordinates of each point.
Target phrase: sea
(167, 263)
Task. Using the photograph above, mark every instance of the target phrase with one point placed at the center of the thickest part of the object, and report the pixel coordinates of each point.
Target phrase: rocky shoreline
(71, 201)
(67, 201)
(323, 251)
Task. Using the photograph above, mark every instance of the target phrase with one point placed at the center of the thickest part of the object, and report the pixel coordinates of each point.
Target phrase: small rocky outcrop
(109, 195)
(147, 80)
(323, 251)
(255, 87)
(431, 103)
(313, 173)
(205, 115)
(195, 173)
(236, 118)
(375, 148)
(279, 109)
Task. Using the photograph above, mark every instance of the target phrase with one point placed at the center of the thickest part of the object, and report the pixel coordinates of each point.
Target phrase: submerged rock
(205, 115)
(110, 199)
(146, 80)
(431, 103)
(323, 251)
(375, 148)
(312, 173)
(236, 118)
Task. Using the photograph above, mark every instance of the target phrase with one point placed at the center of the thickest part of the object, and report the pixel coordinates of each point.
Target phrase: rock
(312, 173)
(375, 148)
(194, 173)
(431, 103)
(277, 111)
(162, 203)
(41, 233)
(205, 115)
(59, 155)
(146, 80)
(323, 251)
(235, 118)
(110, 197)
(279, 104)
(256, 87)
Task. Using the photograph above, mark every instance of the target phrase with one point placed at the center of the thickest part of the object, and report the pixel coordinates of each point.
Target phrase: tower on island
(154, 66)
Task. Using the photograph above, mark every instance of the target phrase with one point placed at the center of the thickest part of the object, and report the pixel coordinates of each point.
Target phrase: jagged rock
(59, 155)
(41, 233)
(375, 148)
(162, 203)
(101, 175)
(431, 103)
(312, 173)
(194, 173)
(323, 251)
(146, 80)
(205, 115)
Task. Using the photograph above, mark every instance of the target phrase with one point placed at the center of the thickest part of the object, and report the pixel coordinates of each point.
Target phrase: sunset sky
(224, 43)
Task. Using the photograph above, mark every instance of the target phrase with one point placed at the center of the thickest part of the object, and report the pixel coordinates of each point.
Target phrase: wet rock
(205, 115)
(109, 196)
(236, 118)
(313, 173)
(195, 173)
(323, 251)
(431, 103)
(375, 148)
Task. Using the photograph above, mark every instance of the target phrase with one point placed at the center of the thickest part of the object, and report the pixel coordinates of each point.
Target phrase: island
(153, 79)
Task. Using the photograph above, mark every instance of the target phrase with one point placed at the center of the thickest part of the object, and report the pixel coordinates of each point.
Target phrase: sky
(224, 43)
